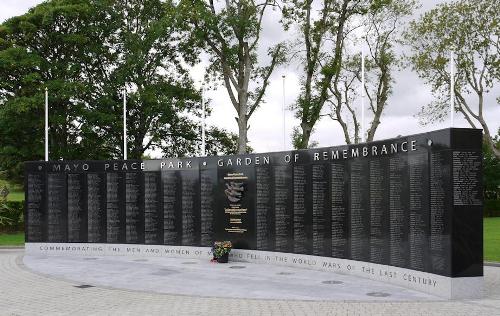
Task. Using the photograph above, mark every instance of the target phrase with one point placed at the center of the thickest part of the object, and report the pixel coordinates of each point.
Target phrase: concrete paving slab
(25, 292)
(208, 279)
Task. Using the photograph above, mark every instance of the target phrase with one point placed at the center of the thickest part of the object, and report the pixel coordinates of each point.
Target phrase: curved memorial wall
(406, 210)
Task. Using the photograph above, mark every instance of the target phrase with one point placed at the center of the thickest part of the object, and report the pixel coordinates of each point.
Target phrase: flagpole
(46, 124)
(284, 112)
(452, 89)
(124, 124)
(203, 143)
(362, 94)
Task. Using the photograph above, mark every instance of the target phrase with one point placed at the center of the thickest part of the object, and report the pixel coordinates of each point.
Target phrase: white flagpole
(362, 94)
(46, 124)
(452, 89)
(124, 124)
(284, 112)
(203, 144)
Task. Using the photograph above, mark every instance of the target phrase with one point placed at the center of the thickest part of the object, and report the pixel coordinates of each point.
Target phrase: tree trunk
(491, 144)
(306, 135)
(373, 127)
(137, 149)
(242, 134)
(242, 130)
(382, 96)
(346, 132)
(489, 140)
(135, 152)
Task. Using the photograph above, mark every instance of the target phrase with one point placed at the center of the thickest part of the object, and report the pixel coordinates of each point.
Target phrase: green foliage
(469, 28)
(14, 191)
(491, 207)
(297, 139)
(38, 51)
(491, 178)
(16, 196)
(11, 214)
(491, 172)
(85, 52)
(229, 31)
(221, 248)
(328, 65)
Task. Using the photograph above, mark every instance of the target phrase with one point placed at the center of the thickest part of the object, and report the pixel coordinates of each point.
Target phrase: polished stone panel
(411, 202)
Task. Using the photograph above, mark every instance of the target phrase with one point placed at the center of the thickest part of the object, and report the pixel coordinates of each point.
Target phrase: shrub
(11, 216)
(491, 208)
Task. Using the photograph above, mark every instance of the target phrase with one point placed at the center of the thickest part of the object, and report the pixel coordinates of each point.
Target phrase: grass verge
(12, 239)
(492, 239)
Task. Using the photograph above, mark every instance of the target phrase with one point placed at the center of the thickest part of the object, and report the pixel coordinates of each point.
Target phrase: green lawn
(14, 239)
(492, 239)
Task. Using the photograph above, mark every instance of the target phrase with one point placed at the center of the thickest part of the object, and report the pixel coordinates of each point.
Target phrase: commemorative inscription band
(413, 202)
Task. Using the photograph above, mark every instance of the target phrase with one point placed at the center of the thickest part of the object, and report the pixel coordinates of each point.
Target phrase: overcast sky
(266, 124)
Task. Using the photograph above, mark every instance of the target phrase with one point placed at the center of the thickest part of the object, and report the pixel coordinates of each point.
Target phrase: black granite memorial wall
(413, 202)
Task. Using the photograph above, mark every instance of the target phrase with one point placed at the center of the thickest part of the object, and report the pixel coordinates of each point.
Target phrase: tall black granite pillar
(379, 212)
(96, 207)
(283, 201)
(399, 199)
(467, 220)
(419, 206)
(35, 204)
(359, 199)
(134, 207)
(264, 225)
(77, 207)
(172, 212)
(302, 207)
(339, 210)
(320, 202)
(57, 208)
(208, 205)
(153, 206)
(190, 204)
(115, 207)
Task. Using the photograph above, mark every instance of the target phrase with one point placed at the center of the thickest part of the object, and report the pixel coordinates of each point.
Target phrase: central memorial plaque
(236, 206)
(413, 202)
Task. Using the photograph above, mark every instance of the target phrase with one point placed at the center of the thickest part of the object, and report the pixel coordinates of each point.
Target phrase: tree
(144, 56)
(230, 32)
(141, 54)
(380, 33)
(86, 52)
(491, 170)
(320, 48)
(470, 29)
(37, 50)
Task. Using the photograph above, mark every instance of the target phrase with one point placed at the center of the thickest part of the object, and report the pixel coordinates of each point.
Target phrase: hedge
(11, 216)
(491, 208)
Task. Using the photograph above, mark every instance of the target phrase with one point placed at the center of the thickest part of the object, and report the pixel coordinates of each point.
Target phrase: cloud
(11, 8)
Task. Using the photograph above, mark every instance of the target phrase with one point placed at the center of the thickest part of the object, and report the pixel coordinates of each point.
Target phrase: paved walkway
(23, 292)
(197, 277)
